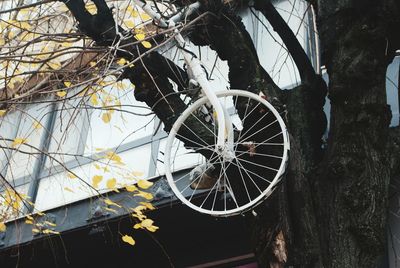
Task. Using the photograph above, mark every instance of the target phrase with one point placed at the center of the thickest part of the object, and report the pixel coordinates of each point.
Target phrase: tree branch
(304, 66)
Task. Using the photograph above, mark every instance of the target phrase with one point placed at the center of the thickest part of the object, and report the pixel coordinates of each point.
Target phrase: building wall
(76, 141)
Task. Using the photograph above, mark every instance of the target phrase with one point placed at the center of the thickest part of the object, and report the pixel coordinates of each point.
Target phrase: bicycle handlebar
(184, 12)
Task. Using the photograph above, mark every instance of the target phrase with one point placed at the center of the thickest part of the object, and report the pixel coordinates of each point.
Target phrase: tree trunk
(352, 184)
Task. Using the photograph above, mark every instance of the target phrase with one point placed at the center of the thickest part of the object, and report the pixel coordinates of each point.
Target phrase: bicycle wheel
(207, 182)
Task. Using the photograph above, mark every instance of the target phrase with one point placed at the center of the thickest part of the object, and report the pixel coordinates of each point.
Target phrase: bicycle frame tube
(224, 122)
(198, 74)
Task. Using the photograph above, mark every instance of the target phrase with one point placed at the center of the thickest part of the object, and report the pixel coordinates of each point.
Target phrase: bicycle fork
(224, 145)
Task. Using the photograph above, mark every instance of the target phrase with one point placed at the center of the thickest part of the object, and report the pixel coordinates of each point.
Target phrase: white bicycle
(237, 138)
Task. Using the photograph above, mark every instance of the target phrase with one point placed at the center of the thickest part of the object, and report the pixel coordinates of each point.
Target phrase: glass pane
(61, 189)
(183, 159)
(217, 69)
(270, 48)
(392, 90)
(8, 130)
(27, 144)
(129, 120)
(100, 176)
(69, 132)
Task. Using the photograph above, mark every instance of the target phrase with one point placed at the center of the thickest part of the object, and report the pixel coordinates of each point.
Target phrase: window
(106, 137)
(392, 89)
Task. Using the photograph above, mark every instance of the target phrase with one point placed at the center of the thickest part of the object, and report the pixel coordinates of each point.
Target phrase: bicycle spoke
(258, 165)
(194, 133)
(192, 141)
(201, 206)
(245, 116)
(254, 124)
(197, 184)
(230, 188)
(215, 196)
(260, 154)
(224, 186)
(247, 172)
(261, 129)
(198, 119)
(244, 183)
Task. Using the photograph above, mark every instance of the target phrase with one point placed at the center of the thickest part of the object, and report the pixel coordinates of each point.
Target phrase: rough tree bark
(328, 213)
(352, 185)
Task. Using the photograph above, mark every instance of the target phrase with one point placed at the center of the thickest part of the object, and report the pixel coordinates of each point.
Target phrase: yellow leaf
(66, 44)
(11, 34)
(28, 222)
(145, 195)
(129, 23)
(139, 209)
(94, 99)
(147, 222)
(2, 112)
(111, 183)
(96, 180)
(146, 44)
(50, 223)
(16, 205)
(61, 93)
(102, 83)
(114, 157)
(62, 8)
(137, 173)
(111, 203)
(83, 92)
(35, 230)
(131, 188)
(144, 16)
(18, 141)
(67, 83)
(128, 239)
(140, 36)
(96, 166)
(134, 13)
(91, 8)
(121, 62)
(106, 100)
(144, 184)
(2, 227)
(139, 216)
(29, 217)
(71, 175)
(54, 65)
(121, 85)
(111, 210)
(106, 117)
(48, 231)
(68, 189)
(25, 25)
(148, 205)
(37, 125)
(152, 228)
